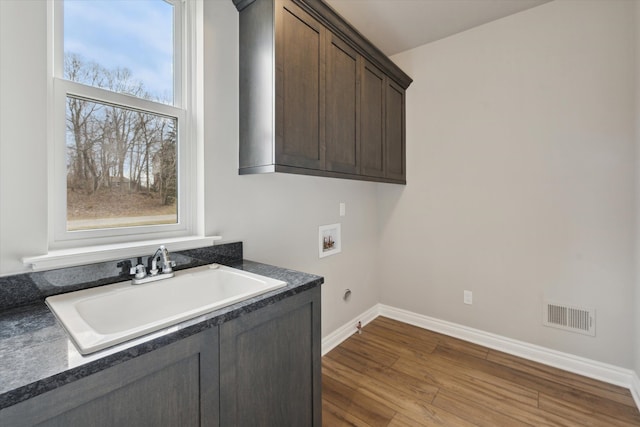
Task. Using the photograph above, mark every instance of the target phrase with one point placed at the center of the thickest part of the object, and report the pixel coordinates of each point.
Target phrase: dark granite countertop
(37, 355)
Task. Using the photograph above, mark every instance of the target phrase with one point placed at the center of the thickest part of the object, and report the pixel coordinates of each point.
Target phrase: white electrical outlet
(468, 297)
(343, 209)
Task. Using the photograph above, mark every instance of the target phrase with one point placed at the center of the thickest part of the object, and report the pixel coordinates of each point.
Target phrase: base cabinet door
(175, 385)
(270, 365)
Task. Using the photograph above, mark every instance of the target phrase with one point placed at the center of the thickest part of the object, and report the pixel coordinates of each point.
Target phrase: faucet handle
(168, 266)
(139, 270)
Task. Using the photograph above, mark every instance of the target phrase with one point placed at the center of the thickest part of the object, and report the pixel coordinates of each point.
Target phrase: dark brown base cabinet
(316, 98)
(270, 367)
(174, 385)
(263, 370)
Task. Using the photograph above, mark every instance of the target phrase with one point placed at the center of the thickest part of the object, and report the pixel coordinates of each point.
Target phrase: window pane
(123, 46)
(121, 167)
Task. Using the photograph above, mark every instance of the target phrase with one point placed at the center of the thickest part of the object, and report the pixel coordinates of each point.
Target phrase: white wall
(637, 251)
(276, 216)
(520, 158)
(23, 132)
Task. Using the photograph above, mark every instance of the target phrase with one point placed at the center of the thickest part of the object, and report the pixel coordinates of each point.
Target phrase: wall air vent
(575, 319)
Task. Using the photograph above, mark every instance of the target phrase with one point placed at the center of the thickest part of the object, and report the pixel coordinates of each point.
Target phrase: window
(123, 164)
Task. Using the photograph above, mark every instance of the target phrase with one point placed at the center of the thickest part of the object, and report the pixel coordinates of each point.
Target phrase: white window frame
(187, 108)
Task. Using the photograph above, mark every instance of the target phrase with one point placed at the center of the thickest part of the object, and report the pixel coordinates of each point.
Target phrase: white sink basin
(100, 317)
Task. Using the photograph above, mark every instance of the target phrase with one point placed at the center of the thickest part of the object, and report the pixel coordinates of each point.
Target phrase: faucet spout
(167, 263)
(161, 255)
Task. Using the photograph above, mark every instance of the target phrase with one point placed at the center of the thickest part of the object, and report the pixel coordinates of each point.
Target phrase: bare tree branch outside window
(121, 163)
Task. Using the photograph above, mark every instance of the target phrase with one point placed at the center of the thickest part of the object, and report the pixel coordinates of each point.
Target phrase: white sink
(101, 317)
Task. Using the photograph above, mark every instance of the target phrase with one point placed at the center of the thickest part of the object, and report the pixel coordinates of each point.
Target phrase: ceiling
(398, 25)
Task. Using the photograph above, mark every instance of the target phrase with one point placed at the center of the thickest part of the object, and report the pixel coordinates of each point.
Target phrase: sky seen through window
(127, 34)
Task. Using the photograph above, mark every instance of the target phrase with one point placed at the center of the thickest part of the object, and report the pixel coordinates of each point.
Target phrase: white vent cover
(575, 319)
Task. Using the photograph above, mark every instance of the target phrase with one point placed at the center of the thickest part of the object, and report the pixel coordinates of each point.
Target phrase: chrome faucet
(167, 264)
(140, 271)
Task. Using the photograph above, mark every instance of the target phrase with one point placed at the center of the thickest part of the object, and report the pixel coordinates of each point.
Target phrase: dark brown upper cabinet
(342, 131)
(300, 88)
(316, 97)
(395, 154)
(372, 112)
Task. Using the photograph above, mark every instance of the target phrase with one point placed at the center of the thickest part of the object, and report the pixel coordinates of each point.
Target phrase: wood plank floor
(395, 374)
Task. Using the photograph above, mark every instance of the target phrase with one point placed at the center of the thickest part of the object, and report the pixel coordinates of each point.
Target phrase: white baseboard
(565, 361)
(345, 331)
(635, 389)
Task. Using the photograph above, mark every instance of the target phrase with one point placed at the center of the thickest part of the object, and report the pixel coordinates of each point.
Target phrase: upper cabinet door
(342, 132)
(395, 167)
(372, 123)
(300, 91)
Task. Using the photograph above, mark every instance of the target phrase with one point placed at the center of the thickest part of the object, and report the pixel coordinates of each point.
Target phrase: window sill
(92, 254)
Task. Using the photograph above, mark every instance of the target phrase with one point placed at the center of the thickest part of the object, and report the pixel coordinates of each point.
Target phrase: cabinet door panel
(270, 365)
(372, 104)
(395, 132)
(342, 133)
(140, 403)
(299, 88)
(174, 385)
